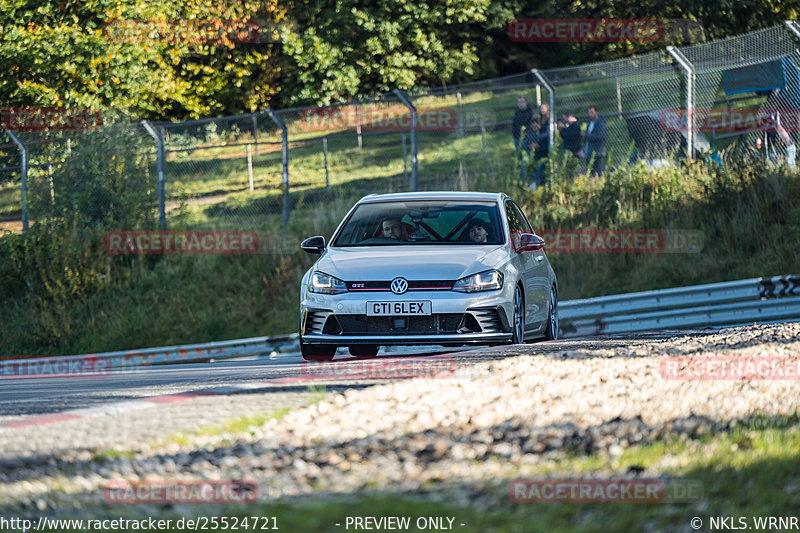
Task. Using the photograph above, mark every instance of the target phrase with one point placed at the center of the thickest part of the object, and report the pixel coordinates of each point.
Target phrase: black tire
(317, 352)
(518, 320)
(363, 350)
(551, 331)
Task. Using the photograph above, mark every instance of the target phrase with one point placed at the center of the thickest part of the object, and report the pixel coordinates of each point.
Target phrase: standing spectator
(544, 116)
(522, 118)
(537, 140)
(570, 130)
(776, 131)
(596, 140)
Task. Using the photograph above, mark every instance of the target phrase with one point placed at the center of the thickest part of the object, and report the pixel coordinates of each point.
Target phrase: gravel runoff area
(496, 421)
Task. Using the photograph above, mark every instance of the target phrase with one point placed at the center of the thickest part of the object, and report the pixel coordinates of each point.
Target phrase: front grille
(413, 285)
(442, 323)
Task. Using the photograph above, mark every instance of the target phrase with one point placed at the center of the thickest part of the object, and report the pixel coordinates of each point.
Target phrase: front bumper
(456, 318)
(384, 340)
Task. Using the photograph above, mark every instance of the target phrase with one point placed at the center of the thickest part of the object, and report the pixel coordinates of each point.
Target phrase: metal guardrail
(188, 353)
(714, 304)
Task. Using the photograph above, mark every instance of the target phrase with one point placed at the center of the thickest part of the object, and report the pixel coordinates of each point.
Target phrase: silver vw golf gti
(445, 268)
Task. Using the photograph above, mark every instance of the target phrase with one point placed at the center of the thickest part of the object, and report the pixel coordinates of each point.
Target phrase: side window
(526, 226)
(514, 224)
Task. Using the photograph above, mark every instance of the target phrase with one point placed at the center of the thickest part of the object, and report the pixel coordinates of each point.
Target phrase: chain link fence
(303, 168)
(727, 71)
(630, 94)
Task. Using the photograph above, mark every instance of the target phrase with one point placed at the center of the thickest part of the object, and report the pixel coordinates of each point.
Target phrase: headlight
(489, 280)
(325, 284)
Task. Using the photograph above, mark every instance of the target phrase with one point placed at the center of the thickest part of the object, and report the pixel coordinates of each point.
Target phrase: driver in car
(393, 229)
(478, 231)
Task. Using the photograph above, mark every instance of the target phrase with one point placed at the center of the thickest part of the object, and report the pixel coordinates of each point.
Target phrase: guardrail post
(407, 102)
(690, 80)
(23, 167)
(552, 100)
(162, 213)
(285, 164)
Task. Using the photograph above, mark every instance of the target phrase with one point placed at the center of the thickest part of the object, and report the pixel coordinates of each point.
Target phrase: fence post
(162, 214)
(483, 147)
(325, 156)
(405, 157)
(255, 132)
(460, 116)
(403, 98)
(793, 27)
(24, 174)
(52, 185)
(358, 127)
(250, 168)
(552, 119)
(285, 164)
(689, 68)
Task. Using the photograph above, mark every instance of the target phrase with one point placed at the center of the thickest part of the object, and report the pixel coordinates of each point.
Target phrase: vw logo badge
(399, 285)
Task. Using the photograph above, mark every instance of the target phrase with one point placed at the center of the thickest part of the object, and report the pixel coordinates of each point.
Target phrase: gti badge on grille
(399, 285)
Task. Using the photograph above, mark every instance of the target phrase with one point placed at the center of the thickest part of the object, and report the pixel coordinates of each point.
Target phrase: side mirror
(313, 245)
(530, 242)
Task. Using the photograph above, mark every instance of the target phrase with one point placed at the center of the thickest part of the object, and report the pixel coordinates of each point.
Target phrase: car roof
(435, 195)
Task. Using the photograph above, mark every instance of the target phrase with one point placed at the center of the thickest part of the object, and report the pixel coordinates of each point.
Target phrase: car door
(535, 273)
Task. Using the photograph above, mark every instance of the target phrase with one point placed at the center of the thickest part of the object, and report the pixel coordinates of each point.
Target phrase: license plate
(398, 308)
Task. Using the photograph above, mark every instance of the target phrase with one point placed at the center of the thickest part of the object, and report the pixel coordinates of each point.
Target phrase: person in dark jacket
(522, 117)
(537, 140)
(570, 130)
(596, 140)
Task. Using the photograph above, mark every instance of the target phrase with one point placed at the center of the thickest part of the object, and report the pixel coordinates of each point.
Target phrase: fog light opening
(400, 322)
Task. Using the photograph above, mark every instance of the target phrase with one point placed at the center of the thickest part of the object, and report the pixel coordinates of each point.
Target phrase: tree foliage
(345, 47)
(68, 53)
(72, 53)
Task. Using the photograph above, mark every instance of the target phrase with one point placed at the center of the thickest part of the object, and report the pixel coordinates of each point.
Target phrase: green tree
(178, 59)
(717, 18)
(343, 48)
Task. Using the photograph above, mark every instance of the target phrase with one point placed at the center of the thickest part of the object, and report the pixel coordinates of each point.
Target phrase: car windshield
(422, 222)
